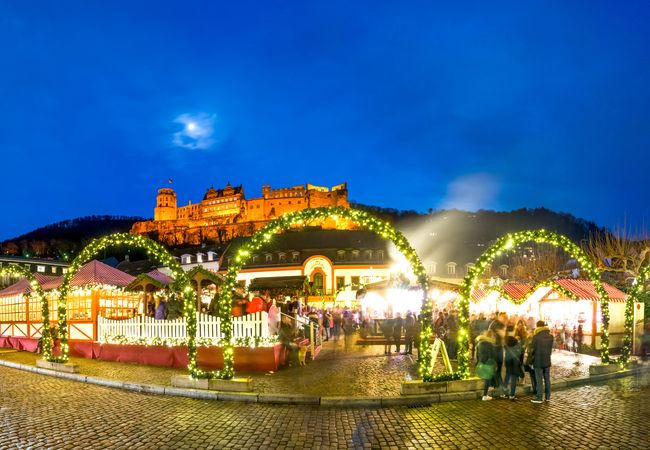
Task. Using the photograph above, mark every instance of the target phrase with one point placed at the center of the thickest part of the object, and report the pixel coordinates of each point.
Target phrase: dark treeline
(63, 240)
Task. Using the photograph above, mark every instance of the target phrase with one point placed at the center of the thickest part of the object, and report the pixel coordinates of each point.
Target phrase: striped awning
(585, 290)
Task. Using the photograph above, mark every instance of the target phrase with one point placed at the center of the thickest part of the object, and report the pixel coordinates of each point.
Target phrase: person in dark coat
(498, 326)
(409, 329)
(513, 364)
(387, 331)
(398, 324)
(542, 347)
(485, 345)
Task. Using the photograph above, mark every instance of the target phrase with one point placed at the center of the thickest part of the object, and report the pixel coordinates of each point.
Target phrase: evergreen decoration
(154, 251)
(303, 218)
(634, 295)
(46, 339)
(504, 244)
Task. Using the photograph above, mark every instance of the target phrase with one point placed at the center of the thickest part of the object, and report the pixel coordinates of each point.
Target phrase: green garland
(248, 341)
(633, 295)
(305, 216)
(154, 251)
(46, 339)
(508, 242)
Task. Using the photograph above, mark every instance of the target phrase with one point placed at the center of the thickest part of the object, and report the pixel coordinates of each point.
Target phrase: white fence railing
(206, 327)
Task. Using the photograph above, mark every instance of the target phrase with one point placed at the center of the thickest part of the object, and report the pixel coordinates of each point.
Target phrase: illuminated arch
(46, 340)
(297, 218)
(154, 251)
(637, 289)
(506, 243)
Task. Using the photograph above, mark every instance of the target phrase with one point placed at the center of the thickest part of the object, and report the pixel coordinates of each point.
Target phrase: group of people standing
(520, 352)
(392, 328)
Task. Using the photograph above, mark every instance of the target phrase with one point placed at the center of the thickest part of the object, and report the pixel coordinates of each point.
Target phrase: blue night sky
(488, 105)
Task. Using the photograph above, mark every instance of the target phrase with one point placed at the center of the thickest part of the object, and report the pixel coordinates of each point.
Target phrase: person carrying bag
(486, 365)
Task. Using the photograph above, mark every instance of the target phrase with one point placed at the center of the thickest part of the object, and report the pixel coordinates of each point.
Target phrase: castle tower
(165, 205)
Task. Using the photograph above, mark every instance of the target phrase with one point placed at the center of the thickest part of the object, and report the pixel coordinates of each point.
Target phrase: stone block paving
(355, 371)
(38, 412)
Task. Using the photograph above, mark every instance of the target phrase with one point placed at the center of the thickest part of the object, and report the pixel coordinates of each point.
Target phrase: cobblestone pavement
(357, 371)
(44, 412)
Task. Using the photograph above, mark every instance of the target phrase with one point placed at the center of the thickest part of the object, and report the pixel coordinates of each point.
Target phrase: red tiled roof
(585, 290)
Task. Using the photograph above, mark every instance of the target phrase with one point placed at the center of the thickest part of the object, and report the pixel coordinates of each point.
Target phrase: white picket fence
(206, 327)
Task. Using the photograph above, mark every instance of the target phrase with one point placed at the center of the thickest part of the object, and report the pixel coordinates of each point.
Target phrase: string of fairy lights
(304, 217)
(366, 221)
(46, 339)
(509, 242)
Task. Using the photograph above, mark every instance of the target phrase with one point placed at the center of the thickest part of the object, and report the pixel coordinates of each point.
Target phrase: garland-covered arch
(297, 218)
(46, 340)
(633, 295)
(506, 243)
(154, 251)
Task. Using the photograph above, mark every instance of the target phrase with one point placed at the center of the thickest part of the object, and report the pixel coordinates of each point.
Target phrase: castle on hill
(224, 214)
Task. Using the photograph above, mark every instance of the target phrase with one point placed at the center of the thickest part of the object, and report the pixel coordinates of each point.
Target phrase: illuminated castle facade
(225, 213)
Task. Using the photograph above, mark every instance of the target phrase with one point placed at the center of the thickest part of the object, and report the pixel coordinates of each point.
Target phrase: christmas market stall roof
(585, 290)
(93, 272)
(23, 286)
(288, 282)
(154, 278)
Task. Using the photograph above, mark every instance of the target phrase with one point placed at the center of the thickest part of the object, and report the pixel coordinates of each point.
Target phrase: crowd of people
(519, 349)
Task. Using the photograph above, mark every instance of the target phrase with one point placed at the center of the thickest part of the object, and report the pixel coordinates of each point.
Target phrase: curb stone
(340, 402)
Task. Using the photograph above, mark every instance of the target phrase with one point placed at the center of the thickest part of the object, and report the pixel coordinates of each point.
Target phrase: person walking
(498, 327)
(398, 323)
(409, 328)
(513, 364)
(485, 362)
(542, 347)
(387, 331)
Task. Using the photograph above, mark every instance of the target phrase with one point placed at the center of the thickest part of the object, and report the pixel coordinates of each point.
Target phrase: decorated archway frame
(506, 243)
(301, 218)
(154, 251)
(632, 296)
(46, 340)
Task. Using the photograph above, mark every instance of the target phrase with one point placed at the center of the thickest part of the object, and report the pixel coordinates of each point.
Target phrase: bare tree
(620, 252)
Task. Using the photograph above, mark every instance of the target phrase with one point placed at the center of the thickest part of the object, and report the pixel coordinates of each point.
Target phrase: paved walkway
(38, 412)
(358, 371)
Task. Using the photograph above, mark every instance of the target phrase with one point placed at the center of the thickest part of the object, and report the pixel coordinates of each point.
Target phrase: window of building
(53, 268)
(13, 309)
(380, 255)
(28, 267)
(268, 257)
(451, 268)
(199, 258)
(340, 283)
(282, 257)
(318, 281)
(504, 270)
(294, 256)
(368, 255)
(468, 267)
(64, 269)
(40, 269)
(255, 258)
(354, 282)
(432, 267)
(355, 254)
(340, 255)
